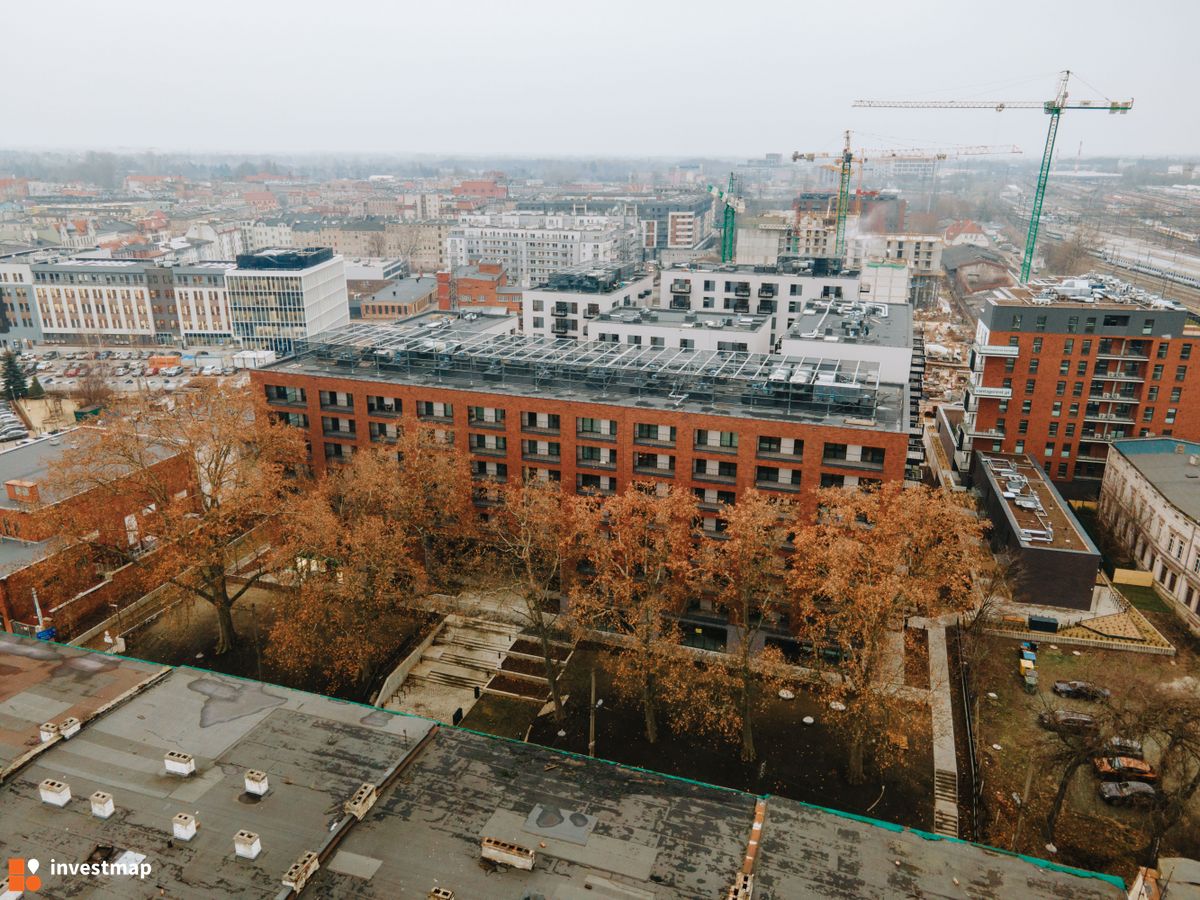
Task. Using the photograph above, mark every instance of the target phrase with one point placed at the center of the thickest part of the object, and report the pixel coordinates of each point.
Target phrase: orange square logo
(22, 875)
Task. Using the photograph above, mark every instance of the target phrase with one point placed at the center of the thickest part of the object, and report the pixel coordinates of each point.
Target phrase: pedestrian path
(945, 757)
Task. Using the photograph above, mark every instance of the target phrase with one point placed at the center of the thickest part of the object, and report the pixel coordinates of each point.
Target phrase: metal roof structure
(441, 353)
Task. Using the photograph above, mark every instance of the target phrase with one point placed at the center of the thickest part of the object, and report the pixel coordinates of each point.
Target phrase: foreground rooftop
(596, 829)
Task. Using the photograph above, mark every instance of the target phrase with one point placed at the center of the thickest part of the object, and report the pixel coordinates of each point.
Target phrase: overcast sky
(589, 77)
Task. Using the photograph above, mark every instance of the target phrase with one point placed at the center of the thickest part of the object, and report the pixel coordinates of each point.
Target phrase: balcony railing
(714, 477)
(681, 287)
(654, 470)
(768, 484)
(551, 458)
(484, 450)
(383, 412)
(595, 464)
(594, 436)
(341, 435)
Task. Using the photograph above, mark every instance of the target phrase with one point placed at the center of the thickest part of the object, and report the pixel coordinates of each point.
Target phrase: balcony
(337, 407)
(384, 412)
(741, 290)
(1002, 350)
(655, 471)
(340, 435)
(654, 442)
(296, 403)
(715, 448)
(714, 477)
(594, 436)
(681, 287)
(767, 484)
(480, 423)
(493, 477)
(1140, 357)
(548, 458)
(1112, 418)
(1118, 376)
(560, 326)
(383, 437)
(990, 391)
(993, 433)
(484, 450)
(539, 429)
(766, 292)
(595, 464)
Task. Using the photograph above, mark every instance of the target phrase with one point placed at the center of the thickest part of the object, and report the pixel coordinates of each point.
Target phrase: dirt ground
(802, 762)
(1091, 834)
(186, 634)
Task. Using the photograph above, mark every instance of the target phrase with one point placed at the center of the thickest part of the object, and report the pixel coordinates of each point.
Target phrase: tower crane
(731, 205)
(847, 158)
(1053, 108)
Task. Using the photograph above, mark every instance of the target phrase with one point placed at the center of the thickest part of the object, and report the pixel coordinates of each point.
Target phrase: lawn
(1144, 598)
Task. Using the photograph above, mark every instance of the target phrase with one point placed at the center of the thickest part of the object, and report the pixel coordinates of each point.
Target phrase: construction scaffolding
(766, 383)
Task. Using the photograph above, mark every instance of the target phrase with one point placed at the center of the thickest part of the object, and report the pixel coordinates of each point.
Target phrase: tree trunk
(648, 710)
(1060, 797)
(227, 638)
(748, 751)
(551, 674)
(856, 772)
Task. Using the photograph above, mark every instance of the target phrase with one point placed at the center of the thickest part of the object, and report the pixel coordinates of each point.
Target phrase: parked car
(1124, 768)
(1080, 690)
(1126, 747)
(71, 371)
(1127, 793)
(1068, 721)
(151, 371)
(208, 370)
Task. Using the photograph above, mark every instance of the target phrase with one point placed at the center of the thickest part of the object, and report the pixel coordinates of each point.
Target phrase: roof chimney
(246, 844)
(179, 763)
(184, 825)
(102, 805)
(22, 491)
(56, 793)
(256, 782)
(300, 871)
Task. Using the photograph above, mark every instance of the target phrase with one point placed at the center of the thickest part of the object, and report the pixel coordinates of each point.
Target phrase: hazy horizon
(653, 81)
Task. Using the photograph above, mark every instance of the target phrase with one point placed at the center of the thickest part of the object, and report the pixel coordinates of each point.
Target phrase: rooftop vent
(102, 805)
(742, 888)
(184, 826)
(300, 871)
(362, 801)
(48, 731)
(507, 854)
(22, 491)
(246, 844)
(68, 727)
(439, 893)
(179, 763)
(256, 782)
(56, 793)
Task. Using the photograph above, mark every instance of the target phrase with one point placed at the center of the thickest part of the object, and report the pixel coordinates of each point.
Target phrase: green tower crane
(1053, 108)
(731, 205)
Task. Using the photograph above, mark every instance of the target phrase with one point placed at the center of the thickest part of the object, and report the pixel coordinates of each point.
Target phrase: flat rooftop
(404, 290)
(807, 389)
(596, 829)
(706, 320)
(1171, 466)
(1092, 289)
(44, 682)
(1038, 513)
(855, 322)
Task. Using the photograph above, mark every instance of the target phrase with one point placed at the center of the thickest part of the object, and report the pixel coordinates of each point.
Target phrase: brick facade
(812, 465)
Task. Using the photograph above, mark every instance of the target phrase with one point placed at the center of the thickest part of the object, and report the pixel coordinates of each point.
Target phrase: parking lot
(1020, 775)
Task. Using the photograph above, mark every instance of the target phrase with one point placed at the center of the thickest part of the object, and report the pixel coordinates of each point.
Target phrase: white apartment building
(216, 240)
(566, 304)
(263, 234)
(855, 331)
(202, 301)
(105, 298)
(674, 329)
(713, 291)
(280, 296)
(534, 246)
(885, 281)
(1150, 503)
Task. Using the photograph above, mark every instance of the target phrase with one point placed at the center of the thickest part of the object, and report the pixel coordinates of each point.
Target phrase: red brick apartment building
(1059, 370)
(597, 416)
(28, 544)
(477, 285)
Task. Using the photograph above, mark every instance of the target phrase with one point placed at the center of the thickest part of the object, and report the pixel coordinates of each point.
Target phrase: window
(1023, 426)
(1026, 407)
(1170, 419)
(1185, 351)
(1082, 368)
(1073, 410)
(596, 428)
(1030, 385)
(1040, 325)
(548, 422)
(1053, 429)
(1157, 374)
(873, 455)
(1020, 447)
(427, 409)
(1037, 341)
(1181, 373)
(1060, 389)
(1062, 470)
(1072, 327)
(1089, 327)
(1014, 340)
(1064, 367)
(1115, 321)
(664, 434)
(1162, 351)
(1147, 413)
(1068, 346)
(1056, 409)
(828, 480)
(1049, 448)
(1033, 366)
(834, 452)
(1176, 394)
(1148, 326)
(485, 415)
(1152, 393)
(1016, 322)
(1070, 432)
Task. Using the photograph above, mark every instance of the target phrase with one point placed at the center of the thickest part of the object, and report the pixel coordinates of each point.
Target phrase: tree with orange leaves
(871, 559)
(742, 572)
(534, 531)
(638, 547)
(356, 569)
(431, 491)
(239, 469)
